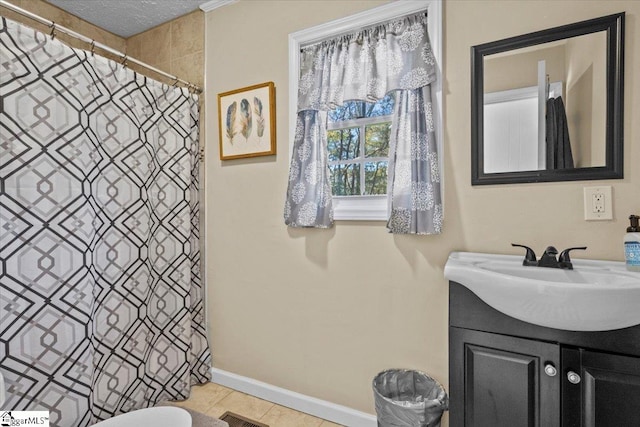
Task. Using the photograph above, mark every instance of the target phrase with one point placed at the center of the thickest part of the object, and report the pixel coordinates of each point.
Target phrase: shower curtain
(101, 306)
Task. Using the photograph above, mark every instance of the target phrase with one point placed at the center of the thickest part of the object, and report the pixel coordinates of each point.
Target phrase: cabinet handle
(573, 377)
(550, 370)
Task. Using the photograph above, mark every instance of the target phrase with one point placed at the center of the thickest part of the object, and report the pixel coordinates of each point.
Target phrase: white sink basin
(594, 296)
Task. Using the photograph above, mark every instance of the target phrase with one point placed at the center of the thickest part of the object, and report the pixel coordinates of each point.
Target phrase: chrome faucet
(548, 258)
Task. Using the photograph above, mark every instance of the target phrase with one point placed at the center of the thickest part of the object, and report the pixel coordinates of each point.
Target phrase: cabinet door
(500, 381)
(608, 390)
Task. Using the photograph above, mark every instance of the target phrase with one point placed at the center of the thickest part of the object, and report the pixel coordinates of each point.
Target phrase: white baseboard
(310, 405)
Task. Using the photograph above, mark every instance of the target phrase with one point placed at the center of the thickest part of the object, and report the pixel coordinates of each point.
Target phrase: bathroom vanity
(506, 372)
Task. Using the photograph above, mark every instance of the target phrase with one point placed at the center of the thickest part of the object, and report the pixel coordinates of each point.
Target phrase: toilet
(161, 416)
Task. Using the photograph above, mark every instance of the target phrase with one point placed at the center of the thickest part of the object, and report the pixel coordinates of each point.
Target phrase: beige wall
(176, 47)
(585, 101)
(520, 69)
(320, 312)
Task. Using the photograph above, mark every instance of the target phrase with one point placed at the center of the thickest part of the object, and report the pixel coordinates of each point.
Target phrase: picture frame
(247, 122)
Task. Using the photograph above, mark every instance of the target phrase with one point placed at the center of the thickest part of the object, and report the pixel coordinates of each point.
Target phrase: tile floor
(214, 400)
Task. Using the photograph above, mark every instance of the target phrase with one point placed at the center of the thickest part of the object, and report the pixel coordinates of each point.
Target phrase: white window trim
(361, 160)
(368, 208)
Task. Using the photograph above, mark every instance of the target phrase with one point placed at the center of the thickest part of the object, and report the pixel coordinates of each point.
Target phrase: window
(358, 147)
(357, 169)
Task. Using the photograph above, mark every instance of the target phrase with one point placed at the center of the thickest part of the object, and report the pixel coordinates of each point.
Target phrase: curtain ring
(93, 47)
(175, 82)
(123, 62)
(52, 33)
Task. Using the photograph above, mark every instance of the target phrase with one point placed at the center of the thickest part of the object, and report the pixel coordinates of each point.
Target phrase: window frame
(369, 208)
(361, 160)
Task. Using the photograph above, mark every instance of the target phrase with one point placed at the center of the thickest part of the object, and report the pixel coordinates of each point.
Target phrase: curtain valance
(366, 65)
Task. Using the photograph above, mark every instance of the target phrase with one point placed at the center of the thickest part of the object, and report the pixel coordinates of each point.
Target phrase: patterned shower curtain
(101, 305)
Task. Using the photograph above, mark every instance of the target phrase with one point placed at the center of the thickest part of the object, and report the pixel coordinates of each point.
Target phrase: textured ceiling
(127, 17)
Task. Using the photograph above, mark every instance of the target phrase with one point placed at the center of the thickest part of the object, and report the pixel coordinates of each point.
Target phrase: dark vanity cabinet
(498, 380)
(509, 373)
(608, 393)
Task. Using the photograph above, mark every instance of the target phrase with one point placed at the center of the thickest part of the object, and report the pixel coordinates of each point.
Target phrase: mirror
(547, 106)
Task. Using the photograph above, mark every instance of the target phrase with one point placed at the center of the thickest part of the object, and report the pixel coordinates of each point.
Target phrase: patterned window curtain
(414, 178)
(101, 304)
(392, 57)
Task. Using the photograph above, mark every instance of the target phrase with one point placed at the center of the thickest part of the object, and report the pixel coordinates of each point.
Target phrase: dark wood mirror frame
(613, 169)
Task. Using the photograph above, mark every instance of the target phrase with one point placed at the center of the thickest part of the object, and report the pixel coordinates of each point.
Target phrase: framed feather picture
(247, 122)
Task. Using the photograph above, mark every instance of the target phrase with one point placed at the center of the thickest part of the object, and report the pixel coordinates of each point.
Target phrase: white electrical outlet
(598, 203)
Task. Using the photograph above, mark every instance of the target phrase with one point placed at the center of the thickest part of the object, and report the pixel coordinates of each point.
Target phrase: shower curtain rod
(123, 56)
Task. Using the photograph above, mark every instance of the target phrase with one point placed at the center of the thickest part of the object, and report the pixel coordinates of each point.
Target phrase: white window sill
(361, 208)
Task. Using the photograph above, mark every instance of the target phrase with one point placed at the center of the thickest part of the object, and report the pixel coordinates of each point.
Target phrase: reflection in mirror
(547, 106)
(550, 88)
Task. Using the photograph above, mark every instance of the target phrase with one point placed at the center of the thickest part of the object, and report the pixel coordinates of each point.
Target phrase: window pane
(345, 180)
(343, 144)
(384, 107)
(375, 177)
(348, 111)
(351, 110)
(376, 140)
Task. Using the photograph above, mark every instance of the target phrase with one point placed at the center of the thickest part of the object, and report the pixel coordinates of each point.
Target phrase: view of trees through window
(358, 145)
